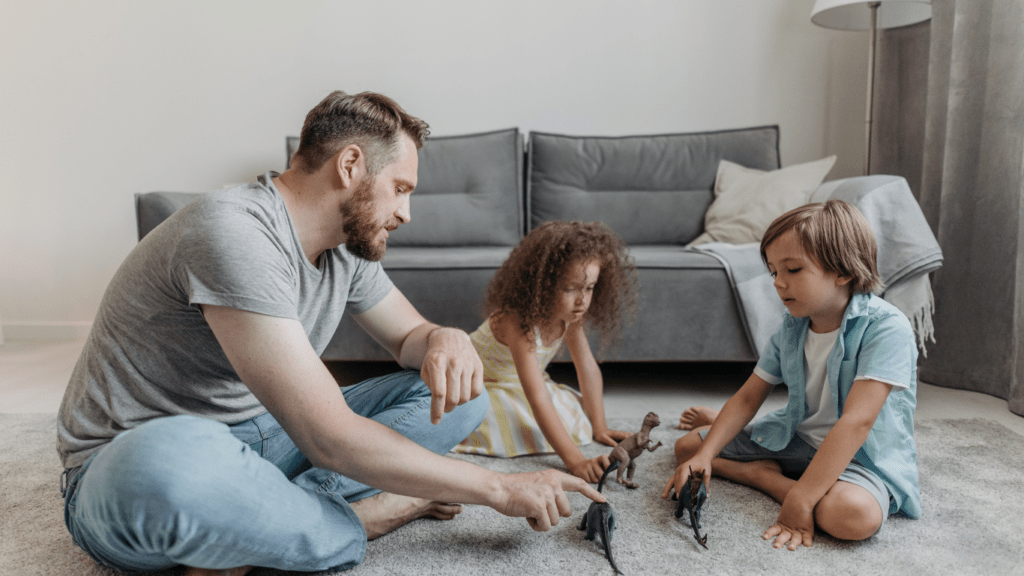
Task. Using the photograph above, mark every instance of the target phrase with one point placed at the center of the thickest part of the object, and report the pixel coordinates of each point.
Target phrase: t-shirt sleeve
(370, 284)
(769, 365)
(887, 353)
(234, 260)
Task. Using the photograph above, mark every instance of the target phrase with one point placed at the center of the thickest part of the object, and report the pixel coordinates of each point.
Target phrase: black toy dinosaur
(600, 521)
(695, 493)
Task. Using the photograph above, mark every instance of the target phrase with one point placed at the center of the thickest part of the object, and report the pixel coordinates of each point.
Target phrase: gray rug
(971, 483)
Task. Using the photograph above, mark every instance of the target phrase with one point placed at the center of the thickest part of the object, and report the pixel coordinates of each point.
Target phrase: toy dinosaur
(695, 493)
(600, 521)
(627, 451)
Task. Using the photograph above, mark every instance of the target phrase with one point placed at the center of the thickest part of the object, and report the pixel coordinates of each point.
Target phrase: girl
(561, 276)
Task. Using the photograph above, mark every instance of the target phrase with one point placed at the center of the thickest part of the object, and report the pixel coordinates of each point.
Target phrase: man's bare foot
(240, 571)
(697, 416)
(384, 512)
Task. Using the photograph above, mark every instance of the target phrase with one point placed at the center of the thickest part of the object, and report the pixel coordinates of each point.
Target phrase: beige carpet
(971, 482)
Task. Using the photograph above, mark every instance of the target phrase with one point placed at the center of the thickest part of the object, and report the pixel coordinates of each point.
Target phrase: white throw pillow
(747, 201)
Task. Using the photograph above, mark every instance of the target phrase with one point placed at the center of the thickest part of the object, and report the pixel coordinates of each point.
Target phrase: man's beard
(361, 225)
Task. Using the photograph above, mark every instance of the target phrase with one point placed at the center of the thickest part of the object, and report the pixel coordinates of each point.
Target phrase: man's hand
(540, 497)
(795, 524)
(451, 370)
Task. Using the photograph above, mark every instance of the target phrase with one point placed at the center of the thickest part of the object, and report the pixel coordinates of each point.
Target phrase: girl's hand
(590, 470)
(682, 474)
(795, 524)
(610, 437)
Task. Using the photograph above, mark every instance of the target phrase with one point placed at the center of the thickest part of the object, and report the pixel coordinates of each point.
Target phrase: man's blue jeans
(187, 490)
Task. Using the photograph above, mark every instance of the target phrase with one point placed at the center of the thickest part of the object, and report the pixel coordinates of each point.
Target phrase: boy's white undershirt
(821, 411)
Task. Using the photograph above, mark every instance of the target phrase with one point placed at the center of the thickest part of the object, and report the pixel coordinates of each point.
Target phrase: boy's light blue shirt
(877, 341)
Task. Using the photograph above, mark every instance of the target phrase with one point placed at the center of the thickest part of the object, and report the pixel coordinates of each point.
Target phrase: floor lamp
(869, 15)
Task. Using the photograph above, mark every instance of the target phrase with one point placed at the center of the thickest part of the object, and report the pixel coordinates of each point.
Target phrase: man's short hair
(835, 234)
(372, 121)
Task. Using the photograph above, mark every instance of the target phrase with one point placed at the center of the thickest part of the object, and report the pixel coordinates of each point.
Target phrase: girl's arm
(588, 374)
(736, 413)
(524, 354)
(795, 524)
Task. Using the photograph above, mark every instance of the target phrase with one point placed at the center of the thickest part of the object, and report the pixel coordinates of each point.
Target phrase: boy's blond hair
(837, 236)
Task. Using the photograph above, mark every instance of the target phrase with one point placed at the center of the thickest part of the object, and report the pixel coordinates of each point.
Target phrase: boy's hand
(590, 470)
(682, 474)
(610, 437)
(795, 524)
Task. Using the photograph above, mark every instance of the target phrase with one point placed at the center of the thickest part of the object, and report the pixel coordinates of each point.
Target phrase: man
(200, 426)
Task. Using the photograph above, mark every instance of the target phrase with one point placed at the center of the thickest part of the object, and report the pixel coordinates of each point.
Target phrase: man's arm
(273, 357)
(448, 362)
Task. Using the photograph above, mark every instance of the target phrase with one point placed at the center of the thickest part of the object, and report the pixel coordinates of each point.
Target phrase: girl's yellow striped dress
(510, 428)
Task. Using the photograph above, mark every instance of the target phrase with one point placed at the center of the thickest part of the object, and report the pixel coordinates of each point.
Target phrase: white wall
(104, 99)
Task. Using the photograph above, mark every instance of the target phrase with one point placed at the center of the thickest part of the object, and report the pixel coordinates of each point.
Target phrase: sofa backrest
(469, 193)
(650, 189)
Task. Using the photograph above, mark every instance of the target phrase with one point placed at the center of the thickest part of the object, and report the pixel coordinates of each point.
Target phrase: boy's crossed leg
(848, 511)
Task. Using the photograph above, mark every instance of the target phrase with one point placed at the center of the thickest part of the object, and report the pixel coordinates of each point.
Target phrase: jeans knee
(476, 411)
(155, 464)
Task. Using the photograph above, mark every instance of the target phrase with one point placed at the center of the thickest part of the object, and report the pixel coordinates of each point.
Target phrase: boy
(841, 453)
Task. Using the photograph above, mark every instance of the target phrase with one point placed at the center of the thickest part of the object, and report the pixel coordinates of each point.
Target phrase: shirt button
(760, 439)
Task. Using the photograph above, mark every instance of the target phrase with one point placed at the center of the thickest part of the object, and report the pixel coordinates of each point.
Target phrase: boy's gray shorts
(795, 458)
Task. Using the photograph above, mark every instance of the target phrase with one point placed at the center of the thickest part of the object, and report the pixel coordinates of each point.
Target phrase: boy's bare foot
(240, 571)
(384, 512)
(697, 416)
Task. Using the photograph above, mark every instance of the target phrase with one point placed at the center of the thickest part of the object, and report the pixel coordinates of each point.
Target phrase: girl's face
(805, 288)
(576, 290)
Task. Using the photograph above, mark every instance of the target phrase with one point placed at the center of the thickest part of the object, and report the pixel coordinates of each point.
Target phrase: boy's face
(577, 290)
(806, 289)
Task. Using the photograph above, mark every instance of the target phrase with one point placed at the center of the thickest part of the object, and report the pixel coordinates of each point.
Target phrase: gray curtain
(972, 193)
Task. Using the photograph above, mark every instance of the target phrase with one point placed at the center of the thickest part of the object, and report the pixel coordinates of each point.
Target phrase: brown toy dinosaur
(623, 457)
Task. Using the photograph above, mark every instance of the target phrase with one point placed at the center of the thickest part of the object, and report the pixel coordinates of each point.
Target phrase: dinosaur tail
(613, 466)
(606, 538)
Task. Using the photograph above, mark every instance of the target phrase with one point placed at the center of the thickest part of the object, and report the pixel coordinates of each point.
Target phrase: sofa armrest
(906, 244)
(152, 208)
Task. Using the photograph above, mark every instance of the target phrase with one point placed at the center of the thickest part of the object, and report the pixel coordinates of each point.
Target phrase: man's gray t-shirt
(151, 353)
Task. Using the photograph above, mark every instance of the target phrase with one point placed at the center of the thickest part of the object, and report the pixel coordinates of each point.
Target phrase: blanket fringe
(915, 299)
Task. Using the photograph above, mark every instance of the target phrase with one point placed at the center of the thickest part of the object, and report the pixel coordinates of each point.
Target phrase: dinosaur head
(652, 420)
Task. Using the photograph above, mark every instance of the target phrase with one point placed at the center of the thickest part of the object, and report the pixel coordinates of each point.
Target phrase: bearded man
(201, 428)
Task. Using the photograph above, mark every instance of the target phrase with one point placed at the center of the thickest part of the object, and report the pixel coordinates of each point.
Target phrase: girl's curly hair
(526, 284)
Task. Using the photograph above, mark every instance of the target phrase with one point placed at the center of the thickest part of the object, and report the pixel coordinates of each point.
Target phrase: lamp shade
(855, 15)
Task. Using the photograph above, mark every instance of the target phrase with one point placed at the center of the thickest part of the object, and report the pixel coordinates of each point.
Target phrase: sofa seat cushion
(649, 189)
(469, 192)
(672, 257)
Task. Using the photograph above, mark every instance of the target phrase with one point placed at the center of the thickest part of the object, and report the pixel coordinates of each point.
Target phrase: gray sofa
(478, 194)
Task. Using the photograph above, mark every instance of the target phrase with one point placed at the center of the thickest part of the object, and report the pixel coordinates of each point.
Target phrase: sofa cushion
(469, 192)
(747, 201)
(650, 189)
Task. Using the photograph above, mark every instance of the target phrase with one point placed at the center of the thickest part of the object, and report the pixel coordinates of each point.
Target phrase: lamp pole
(873, 6)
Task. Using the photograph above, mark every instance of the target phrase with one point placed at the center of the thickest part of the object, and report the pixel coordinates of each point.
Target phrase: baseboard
(45, 330)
